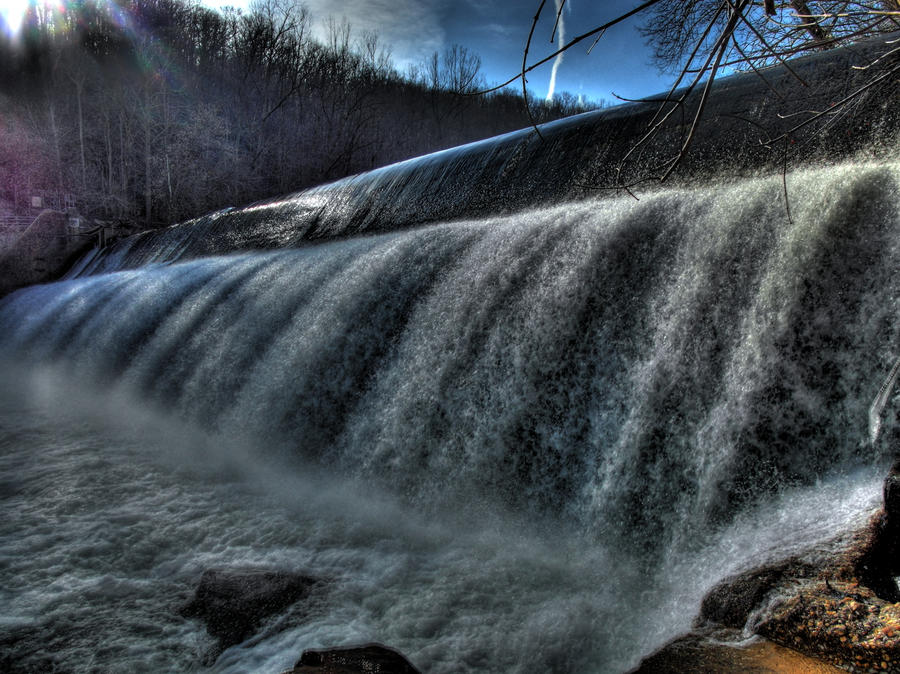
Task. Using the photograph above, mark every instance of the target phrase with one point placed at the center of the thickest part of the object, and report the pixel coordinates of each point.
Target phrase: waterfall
(609, 360)
(648, 377)
(517, 440)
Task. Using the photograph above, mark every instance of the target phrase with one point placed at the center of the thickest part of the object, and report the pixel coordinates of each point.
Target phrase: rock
(369, 658)
(892, 494)
(731, 602)
(723, 652)
(233, 603)
(840, 622)
(838, 603)
(879, 564)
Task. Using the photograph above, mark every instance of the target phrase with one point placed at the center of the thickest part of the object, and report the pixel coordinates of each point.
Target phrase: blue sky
(497, 29)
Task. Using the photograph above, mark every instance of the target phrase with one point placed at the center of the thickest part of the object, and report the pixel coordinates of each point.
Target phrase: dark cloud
(412, 28)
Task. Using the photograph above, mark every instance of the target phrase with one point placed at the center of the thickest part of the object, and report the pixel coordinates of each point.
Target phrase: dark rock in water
(233, 603)
(892, 494)
(731, 602)
(879, 558)
(369, 658)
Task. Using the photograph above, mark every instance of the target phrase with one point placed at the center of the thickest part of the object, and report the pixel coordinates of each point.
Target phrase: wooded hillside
(154, 111)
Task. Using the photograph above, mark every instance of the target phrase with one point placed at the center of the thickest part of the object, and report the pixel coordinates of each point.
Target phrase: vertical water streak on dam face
(639, 369)
(762, 340)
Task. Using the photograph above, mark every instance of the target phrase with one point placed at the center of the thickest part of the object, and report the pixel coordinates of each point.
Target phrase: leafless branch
(756, 34)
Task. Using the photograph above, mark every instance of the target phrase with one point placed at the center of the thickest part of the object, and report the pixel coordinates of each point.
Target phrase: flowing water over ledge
(572, 158)
(520, 442)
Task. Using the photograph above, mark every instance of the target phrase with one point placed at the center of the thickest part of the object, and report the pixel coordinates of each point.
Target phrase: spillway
(514, 441)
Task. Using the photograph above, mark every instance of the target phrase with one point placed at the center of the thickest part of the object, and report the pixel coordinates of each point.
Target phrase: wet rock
(726, 652)
(838, 603)
(731, 602)
(879, 562)
(892, 495)
(842, 623)
(233, 603)
(369, 658)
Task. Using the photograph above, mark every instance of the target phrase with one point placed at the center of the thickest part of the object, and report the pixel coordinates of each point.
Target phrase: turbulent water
(522, 443)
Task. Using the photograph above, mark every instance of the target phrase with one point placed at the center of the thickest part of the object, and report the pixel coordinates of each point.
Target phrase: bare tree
(699, 39)
(201, 109)
(461, 69)
(456, 69)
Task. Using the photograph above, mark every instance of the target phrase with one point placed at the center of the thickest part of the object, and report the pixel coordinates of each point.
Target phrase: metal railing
(13, 226)
(15, 221)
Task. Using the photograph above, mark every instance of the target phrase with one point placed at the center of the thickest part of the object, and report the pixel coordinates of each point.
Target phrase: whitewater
(527, 442)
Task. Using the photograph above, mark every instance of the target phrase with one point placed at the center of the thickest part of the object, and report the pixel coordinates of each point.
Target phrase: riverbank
(51, 243)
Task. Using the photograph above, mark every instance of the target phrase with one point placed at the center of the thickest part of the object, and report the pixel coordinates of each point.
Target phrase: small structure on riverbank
(41, 251)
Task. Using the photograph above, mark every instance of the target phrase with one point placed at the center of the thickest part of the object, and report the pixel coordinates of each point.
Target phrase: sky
(497, 30)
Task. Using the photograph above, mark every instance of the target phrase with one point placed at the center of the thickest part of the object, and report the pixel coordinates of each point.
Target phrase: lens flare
(12, 13)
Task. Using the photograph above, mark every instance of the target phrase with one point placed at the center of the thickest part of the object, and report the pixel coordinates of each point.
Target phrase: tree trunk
(816, 31)
(148, 188)
(122, 173)
(54, 130)
(79, 95)
(109, 158)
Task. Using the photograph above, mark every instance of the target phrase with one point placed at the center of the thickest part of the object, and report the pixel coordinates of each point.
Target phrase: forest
(148, 112)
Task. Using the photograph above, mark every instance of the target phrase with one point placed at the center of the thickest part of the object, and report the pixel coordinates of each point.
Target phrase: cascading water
(521, 443)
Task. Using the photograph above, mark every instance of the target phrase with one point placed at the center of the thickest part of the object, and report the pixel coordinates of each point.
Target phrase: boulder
(838, 603)
(731, 602)
(727, 651)
(233, 603)
(369, 658)
(843, 623)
